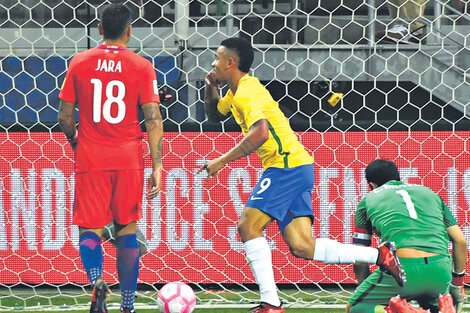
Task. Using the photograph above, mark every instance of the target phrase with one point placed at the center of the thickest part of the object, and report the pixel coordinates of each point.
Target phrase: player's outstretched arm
(255, 138)
(154, 126)
(67, 122)
(211, 99)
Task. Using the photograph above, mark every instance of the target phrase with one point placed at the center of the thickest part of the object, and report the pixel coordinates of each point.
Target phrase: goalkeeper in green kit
(420, 224)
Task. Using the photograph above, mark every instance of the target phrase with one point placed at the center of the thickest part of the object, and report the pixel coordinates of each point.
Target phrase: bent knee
(248, 231)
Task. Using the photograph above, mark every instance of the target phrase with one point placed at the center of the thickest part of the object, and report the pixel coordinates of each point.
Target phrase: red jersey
(109, 83)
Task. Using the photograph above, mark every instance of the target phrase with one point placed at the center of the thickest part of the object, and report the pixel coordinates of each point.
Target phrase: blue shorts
(284, 193)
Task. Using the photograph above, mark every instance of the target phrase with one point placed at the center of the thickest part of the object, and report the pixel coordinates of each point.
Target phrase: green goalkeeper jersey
(412, 216)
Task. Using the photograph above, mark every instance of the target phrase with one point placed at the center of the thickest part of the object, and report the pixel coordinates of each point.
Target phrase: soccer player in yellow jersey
(283, 192)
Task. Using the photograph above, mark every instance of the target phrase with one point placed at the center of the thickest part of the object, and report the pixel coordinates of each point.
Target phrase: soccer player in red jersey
(109, 83)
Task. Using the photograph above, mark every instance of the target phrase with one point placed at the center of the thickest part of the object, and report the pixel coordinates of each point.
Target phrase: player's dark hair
(114, 20)
(381, 171)
(243, 49)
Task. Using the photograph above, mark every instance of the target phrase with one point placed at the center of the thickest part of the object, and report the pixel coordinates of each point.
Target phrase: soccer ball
(176, 297)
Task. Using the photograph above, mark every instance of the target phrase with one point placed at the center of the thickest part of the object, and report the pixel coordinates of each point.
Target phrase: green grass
(18, 299)
(218, 310)
(75, 300)
(54, 300)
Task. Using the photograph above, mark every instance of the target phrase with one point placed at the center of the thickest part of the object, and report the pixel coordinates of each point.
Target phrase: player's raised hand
(211, 80)
(155, 182)
(212, 167)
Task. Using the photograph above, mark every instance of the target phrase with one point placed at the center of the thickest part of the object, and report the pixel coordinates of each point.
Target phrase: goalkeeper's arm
(361, 270)
(363, 237)
(459, 255)
(459, 248)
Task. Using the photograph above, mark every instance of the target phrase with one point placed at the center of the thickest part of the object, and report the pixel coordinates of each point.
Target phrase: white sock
(333, 252)
(258, 255)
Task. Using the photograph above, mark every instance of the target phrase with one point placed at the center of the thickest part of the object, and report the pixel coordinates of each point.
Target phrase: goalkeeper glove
(457, 290)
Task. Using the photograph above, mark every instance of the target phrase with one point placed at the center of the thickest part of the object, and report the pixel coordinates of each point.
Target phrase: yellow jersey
(253, 102)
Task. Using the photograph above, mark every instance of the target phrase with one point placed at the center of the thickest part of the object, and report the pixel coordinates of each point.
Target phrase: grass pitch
(223, 300)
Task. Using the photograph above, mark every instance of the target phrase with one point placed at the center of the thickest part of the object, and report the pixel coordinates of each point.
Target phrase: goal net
(349, 99)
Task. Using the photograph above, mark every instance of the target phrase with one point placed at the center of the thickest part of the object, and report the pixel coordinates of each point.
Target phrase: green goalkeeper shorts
(426, 278)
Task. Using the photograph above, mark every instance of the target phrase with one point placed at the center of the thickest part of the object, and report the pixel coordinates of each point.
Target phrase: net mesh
(349, 98)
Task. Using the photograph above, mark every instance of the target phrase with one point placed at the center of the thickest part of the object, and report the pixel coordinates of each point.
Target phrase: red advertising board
(191, 227)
